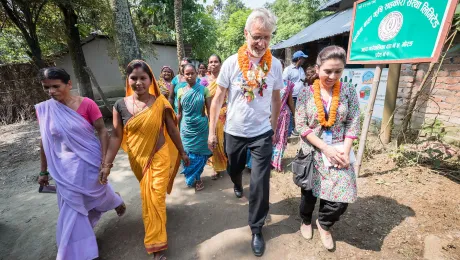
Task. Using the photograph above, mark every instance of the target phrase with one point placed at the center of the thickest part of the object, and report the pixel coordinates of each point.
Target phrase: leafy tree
(215, 8)
(231, 7)
(230, 19)
(12, 47)
(224, 11)
(199, 31)
(293, 16)
(154, 21)
(25, 16)
(93, 15)
(231, 34)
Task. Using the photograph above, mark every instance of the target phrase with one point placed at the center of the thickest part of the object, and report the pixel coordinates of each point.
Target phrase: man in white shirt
(296, 74)
(252, 78)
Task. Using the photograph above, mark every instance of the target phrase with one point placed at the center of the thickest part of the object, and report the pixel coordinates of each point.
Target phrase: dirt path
(400, 214)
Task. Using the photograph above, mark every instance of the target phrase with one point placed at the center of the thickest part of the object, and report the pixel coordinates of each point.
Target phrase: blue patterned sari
(178, 83)
(194, 132)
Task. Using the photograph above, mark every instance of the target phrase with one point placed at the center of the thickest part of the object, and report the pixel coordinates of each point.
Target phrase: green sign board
(399, 31)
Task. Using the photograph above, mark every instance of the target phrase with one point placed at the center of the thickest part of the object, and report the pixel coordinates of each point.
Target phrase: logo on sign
(390, 26)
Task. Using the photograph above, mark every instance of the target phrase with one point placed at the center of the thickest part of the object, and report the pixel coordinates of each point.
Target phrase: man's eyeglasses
(260, 38)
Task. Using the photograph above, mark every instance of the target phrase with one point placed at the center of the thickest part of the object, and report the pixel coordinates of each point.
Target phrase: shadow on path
(192, 219)
(213, 224)
(369, 220)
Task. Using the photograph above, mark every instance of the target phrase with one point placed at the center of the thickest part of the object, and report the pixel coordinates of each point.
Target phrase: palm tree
(178, 25)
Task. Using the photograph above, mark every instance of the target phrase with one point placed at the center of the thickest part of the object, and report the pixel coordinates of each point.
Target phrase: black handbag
(302, 169)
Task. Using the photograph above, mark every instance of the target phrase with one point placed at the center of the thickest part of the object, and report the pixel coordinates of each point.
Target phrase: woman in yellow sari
(218, 159)
(145, 125)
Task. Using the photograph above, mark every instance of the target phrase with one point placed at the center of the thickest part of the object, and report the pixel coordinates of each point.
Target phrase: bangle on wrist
(107, 165)
(44, 173)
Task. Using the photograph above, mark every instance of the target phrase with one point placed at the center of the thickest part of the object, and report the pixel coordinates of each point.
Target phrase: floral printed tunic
(331, 184)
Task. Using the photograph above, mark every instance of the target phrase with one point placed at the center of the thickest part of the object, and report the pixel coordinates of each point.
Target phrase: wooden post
(99, 89)
(367, 118)
(390, 103)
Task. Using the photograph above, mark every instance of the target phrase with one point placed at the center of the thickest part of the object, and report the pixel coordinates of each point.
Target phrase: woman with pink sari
(72, 154)
(284, 119)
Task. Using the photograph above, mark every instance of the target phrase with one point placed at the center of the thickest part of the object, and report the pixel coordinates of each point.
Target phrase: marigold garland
(254, 77)
(319, 103)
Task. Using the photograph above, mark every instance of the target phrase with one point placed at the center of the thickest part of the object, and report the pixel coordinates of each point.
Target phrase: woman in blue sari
(193, 99)
(179, 82)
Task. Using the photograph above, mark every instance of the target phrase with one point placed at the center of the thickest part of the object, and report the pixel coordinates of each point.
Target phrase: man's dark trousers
(261, 148)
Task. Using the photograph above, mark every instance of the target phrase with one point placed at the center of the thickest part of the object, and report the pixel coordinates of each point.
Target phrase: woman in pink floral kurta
(287, 108)
(335, 187)
(331, 184)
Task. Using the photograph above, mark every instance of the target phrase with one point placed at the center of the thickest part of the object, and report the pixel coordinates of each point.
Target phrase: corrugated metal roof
(331, 25)
(327, 4)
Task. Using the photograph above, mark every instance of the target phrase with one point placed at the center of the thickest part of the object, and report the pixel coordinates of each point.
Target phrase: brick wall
(441, 103)
(20, 90)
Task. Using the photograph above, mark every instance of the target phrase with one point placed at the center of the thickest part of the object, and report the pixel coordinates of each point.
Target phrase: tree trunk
(35, 52)
(178, 25)
(76, 51)
(126, 42)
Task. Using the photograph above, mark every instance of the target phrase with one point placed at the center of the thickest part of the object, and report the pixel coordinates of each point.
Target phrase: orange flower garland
(319, 104)
(253, 77)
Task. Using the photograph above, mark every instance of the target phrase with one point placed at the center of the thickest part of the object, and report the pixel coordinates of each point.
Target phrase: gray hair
(262, 15)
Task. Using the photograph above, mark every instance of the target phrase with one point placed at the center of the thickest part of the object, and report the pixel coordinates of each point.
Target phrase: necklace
(253, 76)
(319, 103)
(138, 108)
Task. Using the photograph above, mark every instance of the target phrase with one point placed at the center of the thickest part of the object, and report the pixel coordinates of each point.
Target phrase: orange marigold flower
(264, 65)
(319, 104)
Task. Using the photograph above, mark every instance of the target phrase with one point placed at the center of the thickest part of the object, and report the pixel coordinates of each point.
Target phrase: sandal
(199, 185)
(215, 176)
(159, 256)
(120, 209)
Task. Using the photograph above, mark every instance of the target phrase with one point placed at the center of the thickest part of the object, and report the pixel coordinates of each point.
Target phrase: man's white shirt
(248, 119)
(296, 76)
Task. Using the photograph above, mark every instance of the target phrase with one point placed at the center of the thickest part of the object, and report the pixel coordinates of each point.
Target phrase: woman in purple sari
(72, 154)
(284, 119)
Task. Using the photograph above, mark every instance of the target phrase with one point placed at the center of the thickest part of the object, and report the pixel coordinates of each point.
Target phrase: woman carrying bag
(327, 115)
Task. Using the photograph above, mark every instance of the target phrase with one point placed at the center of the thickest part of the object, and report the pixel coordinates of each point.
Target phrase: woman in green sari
(193, 99)
(179, 82)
